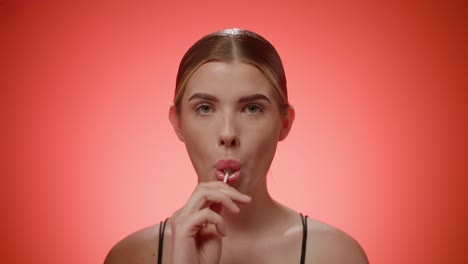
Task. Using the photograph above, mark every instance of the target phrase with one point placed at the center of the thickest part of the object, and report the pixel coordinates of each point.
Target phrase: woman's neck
(255, 216)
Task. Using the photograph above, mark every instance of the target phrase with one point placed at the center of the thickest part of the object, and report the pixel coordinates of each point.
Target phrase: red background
(379, 147)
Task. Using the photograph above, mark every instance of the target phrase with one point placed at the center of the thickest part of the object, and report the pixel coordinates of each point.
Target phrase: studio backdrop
(378, 148)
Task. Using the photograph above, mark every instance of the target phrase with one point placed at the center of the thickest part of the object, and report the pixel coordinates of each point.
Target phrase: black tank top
(162, 227)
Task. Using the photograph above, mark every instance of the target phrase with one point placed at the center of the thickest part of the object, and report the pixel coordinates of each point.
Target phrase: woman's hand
(197, 228)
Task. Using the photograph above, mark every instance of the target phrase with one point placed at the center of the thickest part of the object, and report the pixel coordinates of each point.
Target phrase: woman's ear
(175, 121)
(286, 122)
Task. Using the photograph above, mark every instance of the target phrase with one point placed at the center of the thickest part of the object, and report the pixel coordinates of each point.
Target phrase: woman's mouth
(228, 168)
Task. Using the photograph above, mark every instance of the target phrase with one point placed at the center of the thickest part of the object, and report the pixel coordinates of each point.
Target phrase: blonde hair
(231, 45)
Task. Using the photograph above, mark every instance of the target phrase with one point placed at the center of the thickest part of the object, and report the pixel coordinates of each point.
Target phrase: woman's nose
(228, 136)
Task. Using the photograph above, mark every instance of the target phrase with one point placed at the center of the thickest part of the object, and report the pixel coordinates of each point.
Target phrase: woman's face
(230, 122)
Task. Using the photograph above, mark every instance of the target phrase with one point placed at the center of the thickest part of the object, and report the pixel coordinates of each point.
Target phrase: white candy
(226, 175)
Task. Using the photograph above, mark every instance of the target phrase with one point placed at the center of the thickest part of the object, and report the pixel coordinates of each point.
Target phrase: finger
(207, 216)
(237, 196)
(233, 193)
(206, 197)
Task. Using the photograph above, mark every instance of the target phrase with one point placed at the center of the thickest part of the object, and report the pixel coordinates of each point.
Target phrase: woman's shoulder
(328, 244)
(141, 246)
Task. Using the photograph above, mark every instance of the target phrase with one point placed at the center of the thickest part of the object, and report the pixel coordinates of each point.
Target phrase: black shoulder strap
(162, 227)
(304, 237)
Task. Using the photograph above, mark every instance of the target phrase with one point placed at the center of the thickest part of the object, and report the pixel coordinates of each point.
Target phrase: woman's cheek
(263, 144)
(198, 148)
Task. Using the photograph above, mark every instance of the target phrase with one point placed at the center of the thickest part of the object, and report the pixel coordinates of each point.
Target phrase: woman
(231, 109)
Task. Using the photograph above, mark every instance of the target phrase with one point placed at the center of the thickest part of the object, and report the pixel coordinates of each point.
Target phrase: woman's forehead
(236, 79)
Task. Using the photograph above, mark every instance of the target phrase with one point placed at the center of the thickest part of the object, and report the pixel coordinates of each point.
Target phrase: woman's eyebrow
(203, 96)
(254, 97)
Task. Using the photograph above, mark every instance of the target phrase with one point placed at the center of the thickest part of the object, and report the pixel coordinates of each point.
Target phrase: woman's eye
(203, 109)
(253, 109)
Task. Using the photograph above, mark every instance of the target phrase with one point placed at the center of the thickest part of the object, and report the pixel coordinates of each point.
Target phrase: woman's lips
(230, 166)
(227, 164)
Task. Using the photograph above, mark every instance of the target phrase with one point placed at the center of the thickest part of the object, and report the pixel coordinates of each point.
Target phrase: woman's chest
(272, 251)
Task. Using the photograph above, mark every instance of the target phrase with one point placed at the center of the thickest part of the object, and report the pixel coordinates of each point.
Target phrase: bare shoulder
(328, 244)
(139, 247)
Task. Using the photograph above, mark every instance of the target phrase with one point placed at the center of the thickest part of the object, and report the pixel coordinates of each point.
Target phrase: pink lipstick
(228, 170)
